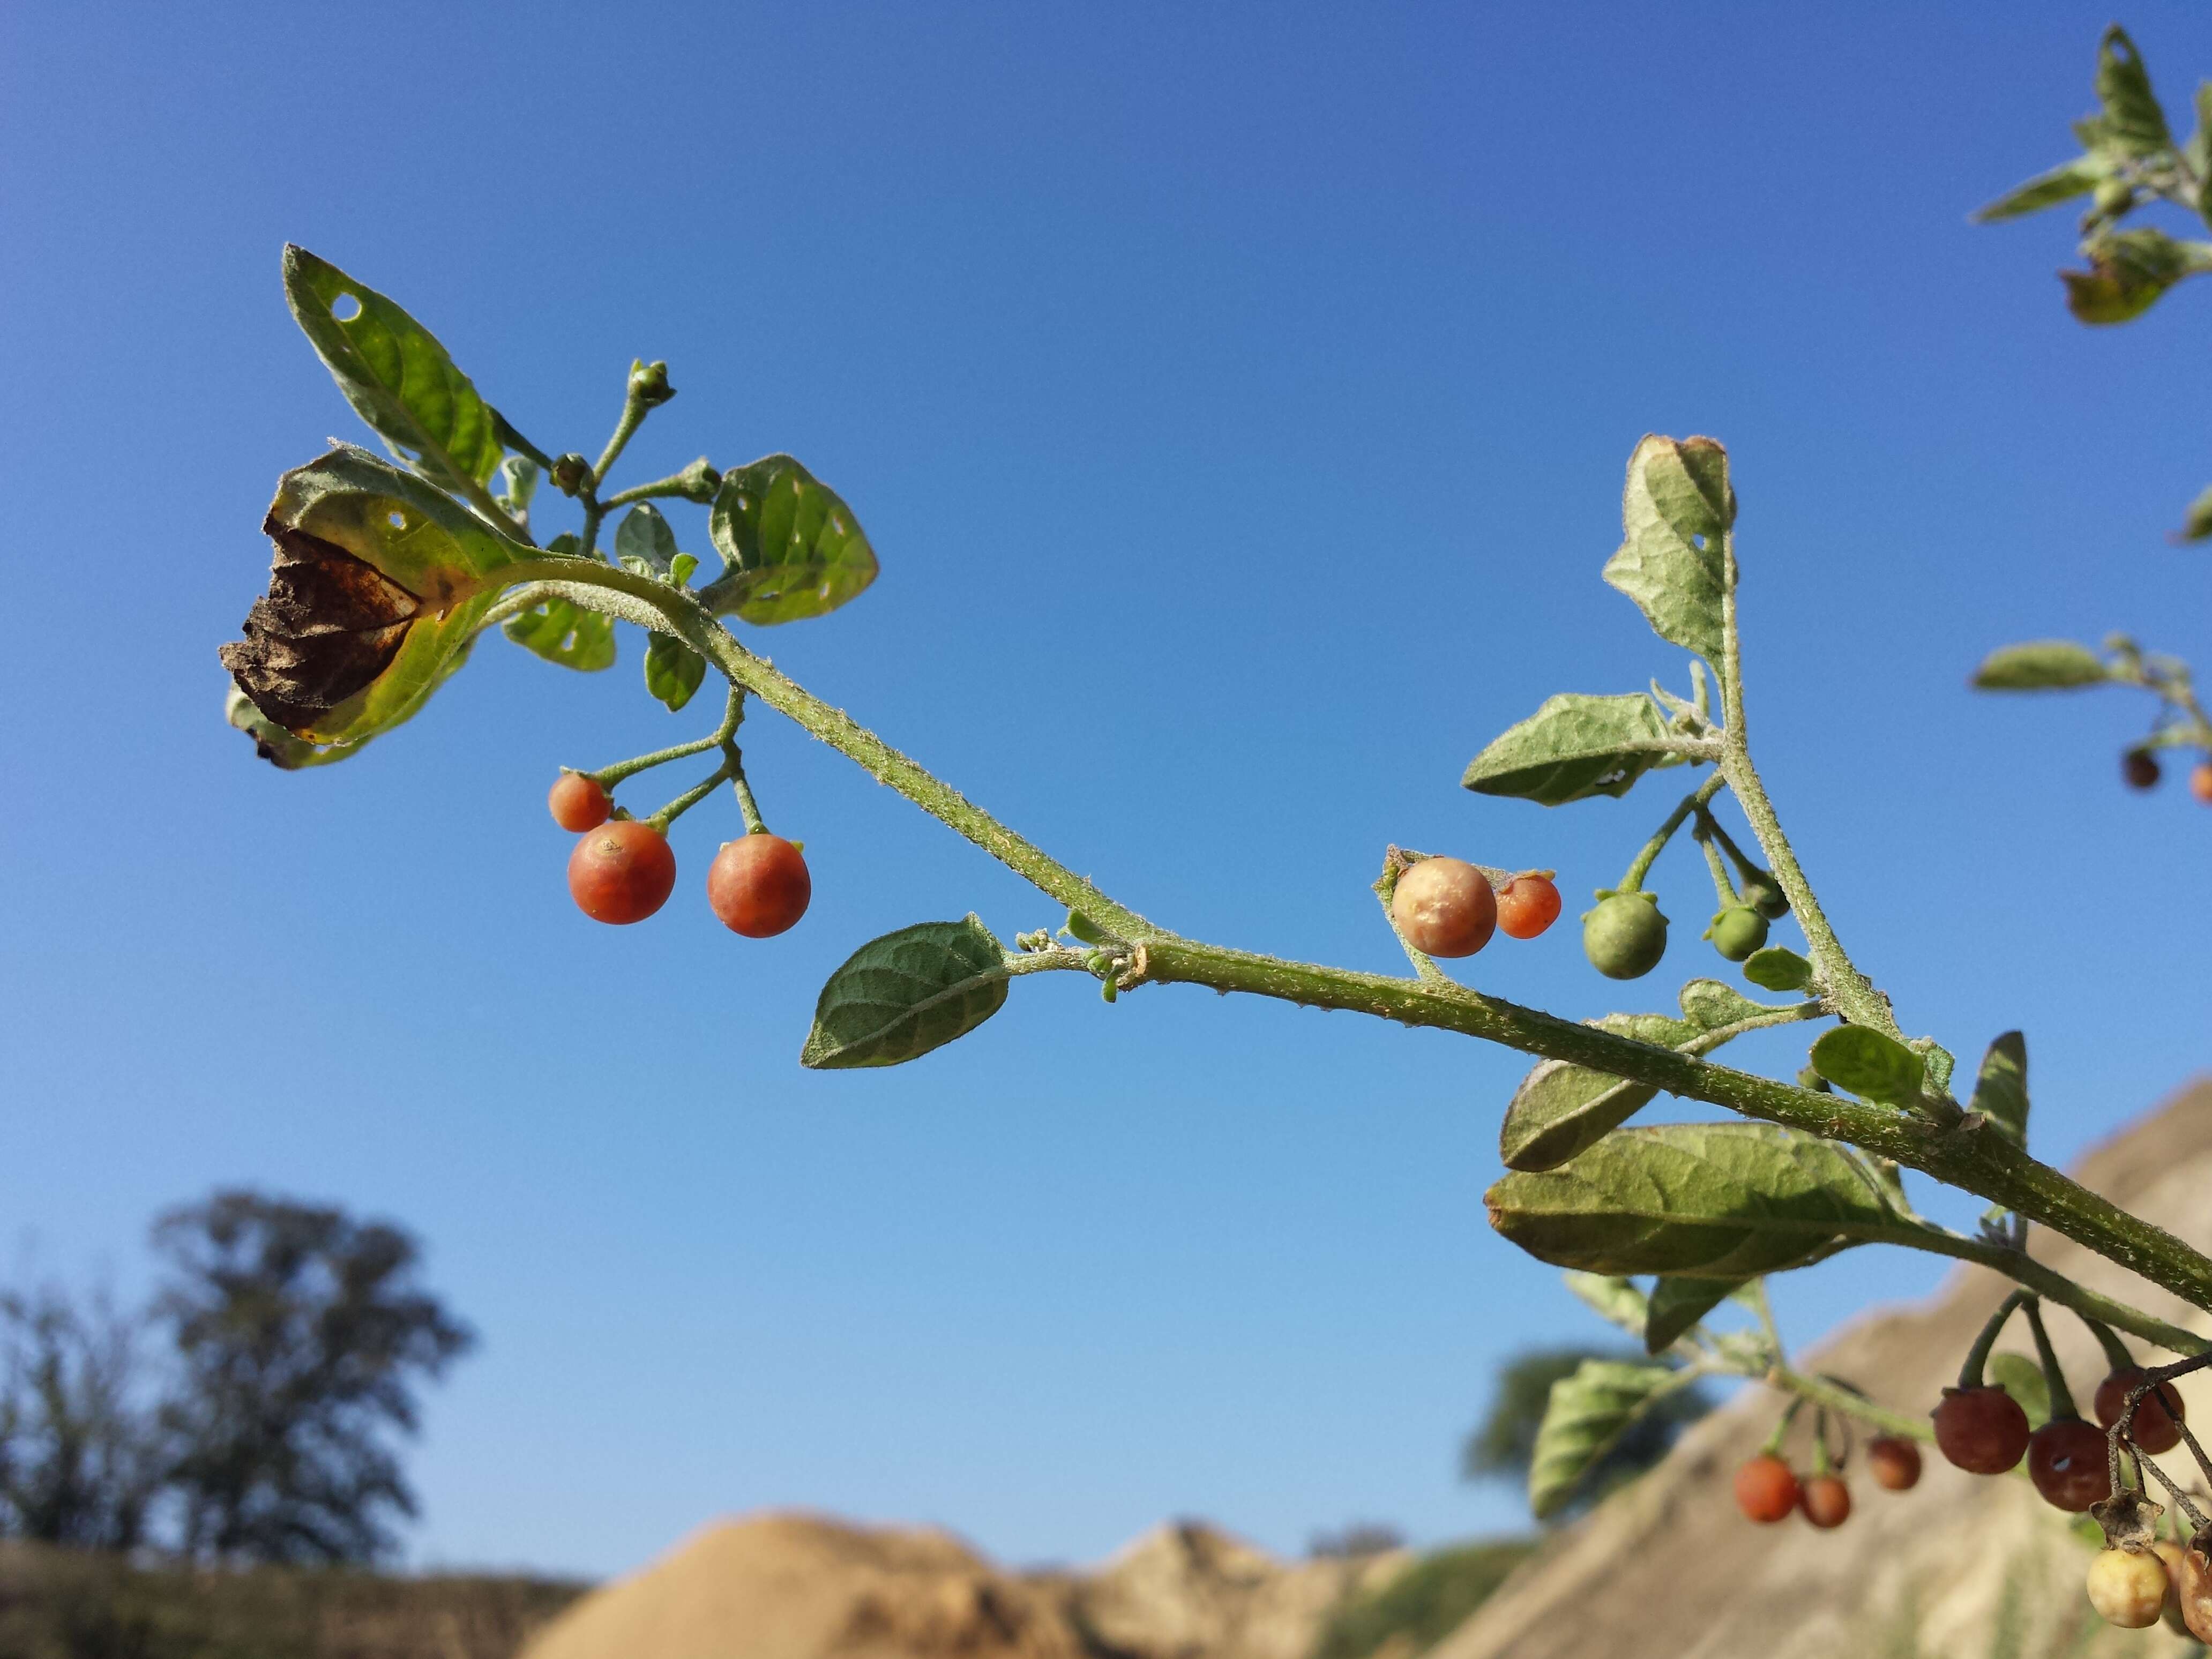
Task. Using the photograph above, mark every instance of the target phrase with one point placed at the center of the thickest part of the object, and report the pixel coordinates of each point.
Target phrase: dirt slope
(1959, 1568)
(803, 1587)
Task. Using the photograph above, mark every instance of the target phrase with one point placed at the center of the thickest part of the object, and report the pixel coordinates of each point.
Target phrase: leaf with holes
(2061, 184)
(1777, 968)
(1585, 1416)
(394, 373)
(1676, 505)
(2130, 119)
(1574, 747)
(791, 548)
(2001, 1089)
(1703, 1200)
(377, 587)
(673, 671)
(898, 997)
(565, 633)
(1869, 1065)
(1677, 1305)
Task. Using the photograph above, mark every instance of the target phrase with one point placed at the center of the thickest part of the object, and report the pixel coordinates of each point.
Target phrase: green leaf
(2128, 270)
(680, 568)
(2061, 184)
(792, 548)
(672, 670)
(1939, 1062)
(394, 373)
(1777, 968)
(1676, 505)
(1560, 1111)
(2132, 120)
(1572, 748)
(1869, 1065)
(2197, 524)
(1677, 1305)
(898, 997)
(1705, 1200)
(1710, 1004)
(2001, 1089)
(644, 543)
(377, 587)
(2023, 1379)
(517, 483)
(2040, 666)
(1587, 1412)
(1611, 1299)
(565, 633)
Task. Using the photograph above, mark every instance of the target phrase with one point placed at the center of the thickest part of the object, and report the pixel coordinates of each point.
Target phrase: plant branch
(1693, 802)
(1821, 1392)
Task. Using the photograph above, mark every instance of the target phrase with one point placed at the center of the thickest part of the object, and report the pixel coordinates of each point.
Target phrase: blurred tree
(299, 1333)
(81, 1452)
(1503, 1444)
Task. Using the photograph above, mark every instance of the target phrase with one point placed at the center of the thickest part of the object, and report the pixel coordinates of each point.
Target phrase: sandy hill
(1960, 1568)
(804, 1587)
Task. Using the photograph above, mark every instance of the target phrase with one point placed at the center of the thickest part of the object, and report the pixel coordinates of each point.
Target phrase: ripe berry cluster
(1446, 906)
(1768, 1490)
(1985, 1430)
(622, 869)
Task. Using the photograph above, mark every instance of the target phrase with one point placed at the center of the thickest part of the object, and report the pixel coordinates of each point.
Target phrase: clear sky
(1238, 396)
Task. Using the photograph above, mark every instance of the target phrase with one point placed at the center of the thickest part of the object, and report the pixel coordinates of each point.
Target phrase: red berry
(758, 885)
(2068, 1461)
(1765, 1490)
(1983, 1431)
(1826, 1501)
(2155, 1428)
(2140, 767)
(578, 803)
(1529, 905)
(2200, 782)
(622, 872)
(1895, 1463)
(1444, 908)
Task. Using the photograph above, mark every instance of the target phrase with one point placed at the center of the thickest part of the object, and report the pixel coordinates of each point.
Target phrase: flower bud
(648, 384)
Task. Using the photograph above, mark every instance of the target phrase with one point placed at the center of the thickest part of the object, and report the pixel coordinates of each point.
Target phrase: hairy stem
(1821, 1392)
(1694, 801)
(2054, 1287)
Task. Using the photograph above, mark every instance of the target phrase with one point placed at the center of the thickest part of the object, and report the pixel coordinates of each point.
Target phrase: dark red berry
(1529, 905)
(622, 871)
(758, 885)
(1826, 1501)
(1983, 1431)
(578, 803)
(2156, 1417)
(1444, 908)
(2139, 766)
(2068, 1461)
(1895, 1462)
(1765, 1490)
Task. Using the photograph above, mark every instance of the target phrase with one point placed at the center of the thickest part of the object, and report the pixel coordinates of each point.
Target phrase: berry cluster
(2139, 769)
(622, 869)
(1767, 1490)
(1445, 907)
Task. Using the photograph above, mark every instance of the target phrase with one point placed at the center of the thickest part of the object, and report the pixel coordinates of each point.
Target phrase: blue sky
(1237, 397)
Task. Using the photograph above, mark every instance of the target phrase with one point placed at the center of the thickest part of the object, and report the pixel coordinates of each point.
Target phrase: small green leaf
(1574, 747)
(1081, 929)
(2061, 184)
(1710, 1004)
(1677, 1305)
(644, 542)
(1705, 1200)
(1560, 1111)
(1940, 1063)
(2129, 271)
(680, 568)
(2022, 1378)
(792, 548)
(2040, 666)
(2001, 1089)
(517, 483)
(1587, 1413)
(2132, 120)
(393, 371)
(565, 633)
(1611, 1297)
(377, 587)
(1777, 968)
(898, 997)
(1869, 1065)
(1676, 505)
(672, 670)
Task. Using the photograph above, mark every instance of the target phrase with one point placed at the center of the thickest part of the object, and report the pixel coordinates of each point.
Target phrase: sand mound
(1957, 1567)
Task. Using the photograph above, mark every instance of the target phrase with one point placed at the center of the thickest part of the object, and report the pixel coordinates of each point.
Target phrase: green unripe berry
(1625, 936)
(1764, 894)
(1737, 932)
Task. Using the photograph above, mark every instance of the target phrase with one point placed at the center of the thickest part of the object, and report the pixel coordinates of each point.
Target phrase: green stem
(2054, 1375)
(1723, 889)
(1821, 1393)
(588, 535)
(2054, 1287)
(1633, 881)
(1971, 1369)
(690, 798)
(720, 737)
(633, 416)
(1396, 864)
(1851, 991)
(675, 484)
(2116, 1353)
(1969, 1156)
(748, 808)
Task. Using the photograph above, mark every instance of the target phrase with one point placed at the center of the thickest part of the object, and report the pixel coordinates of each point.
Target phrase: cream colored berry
(2128, 1587)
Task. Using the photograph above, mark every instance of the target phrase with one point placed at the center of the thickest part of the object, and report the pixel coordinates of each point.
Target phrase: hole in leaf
(345, 307)
(397, 521)
(1697, 542)
(743, 504)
